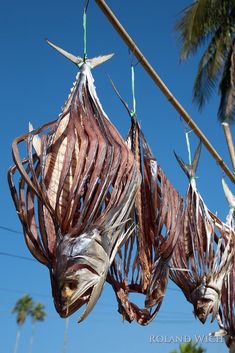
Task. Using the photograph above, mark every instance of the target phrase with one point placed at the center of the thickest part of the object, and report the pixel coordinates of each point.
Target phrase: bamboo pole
(152, 73)
(230, 144)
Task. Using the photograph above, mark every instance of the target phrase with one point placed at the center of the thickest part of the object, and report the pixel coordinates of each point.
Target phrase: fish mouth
(89, 297)
(202, 317)
(66, 308)
(86, 289)
(203, 309)
(78, 280)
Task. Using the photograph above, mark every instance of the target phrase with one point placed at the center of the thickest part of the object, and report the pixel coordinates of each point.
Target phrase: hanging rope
(85, 30)
(187, 132)
(189, 151)
(133, 111)
(188, 147)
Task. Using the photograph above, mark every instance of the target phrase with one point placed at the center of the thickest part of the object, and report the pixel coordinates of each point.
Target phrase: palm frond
(210, 67)
(200, 21)
(194, 27)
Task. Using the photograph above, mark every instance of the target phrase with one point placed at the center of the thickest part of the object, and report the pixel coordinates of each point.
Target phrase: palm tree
(37, 313)
(211, 23)
(22, 309)
(189, 347)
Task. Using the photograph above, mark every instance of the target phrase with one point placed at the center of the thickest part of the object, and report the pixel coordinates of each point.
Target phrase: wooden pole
(152, 73)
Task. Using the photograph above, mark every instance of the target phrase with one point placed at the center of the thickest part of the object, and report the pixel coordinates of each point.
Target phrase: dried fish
(76, 189)
(226, 317)
(227, 311)
(205, 248)
(142, 264)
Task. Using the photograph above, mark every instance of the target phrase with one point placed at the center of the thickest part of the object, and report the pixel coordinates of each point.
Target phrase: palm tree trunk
(229, 141)
(32, 337)
(17, 340)
(66, 329)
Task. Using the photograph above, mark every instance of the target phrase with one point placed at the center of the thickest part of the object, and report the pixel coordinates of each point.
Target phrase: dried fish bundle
(227, 312)
(142, 264)
(226, 317)
(76, 189)
(204, 251)
(230, 219)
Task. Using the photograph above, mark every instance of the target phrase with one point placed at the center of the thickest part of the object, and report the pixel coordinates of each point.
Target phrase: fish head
(79, 273)
(206, 301)
(203, 308)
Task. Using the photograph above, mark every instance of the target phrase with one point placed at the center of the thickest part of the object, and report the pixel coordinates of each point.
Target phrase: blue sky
(34, 84)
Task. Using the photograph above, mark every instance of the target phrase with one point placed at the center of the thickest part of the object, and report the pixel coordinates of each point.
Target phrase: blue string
(85, 31)
(133, 112)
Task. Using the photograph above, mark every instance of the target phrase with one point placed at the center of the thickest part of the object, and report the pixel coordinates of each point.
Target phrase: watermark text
(185, 339)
